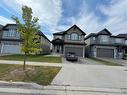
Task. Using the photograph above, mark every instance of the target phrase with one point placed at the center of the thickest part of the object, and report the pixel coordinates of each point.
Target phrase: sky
(58, 15)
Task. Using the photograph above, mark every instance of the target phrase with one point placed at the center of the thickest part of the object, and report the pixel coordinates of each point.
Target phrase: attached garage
(101, 52)
(77, 50)
(10, 49)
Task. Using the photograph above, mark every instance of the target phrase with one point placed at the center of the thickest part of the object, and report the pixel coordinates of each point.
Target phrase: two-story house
(104, 44)
(124, 35)
(71, 40)
(10, 40)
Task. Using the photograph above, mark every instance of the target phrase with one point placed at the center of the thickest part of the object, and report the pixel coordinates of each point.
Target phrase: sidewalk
(59, 90)
(30, 63)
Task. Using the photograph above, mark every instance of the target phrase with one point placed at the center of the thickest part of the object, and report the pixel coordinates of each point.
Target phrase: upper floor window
(126, 42)
(94, 38)
(75, 36)
(69, 37)
(11, 33)
(118, 40)
(104, 38)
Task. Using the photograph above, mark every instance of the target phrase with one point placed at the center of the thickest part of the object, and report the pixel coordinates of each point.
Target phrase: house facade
(10, 40)
(71, 40)
(104, 44)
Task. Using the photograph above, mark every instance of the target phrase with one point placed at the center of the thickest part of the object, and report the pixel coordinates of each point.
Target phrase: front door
(58, 49)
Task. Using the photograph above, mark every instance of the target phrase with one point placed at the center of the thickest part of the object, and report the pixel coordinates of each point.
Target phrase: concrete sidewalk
(30, 63)
(65, 90)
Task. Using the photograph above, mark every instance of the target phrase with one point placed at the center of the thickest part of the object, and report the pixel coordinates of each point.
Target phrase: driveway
(86, 61)
(100, 76)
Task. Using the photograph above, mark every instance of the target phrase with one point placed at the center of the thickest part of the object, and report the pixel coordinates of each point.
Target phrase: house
(124, 35)
(104, 44)
(10, 40)
(70, 40)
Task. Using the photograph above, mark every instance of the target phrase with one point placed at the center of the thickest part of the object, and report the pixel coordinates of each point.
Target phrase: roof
(64, 32)
(102, 32)
(8, 25)
(59, 33)
(40, 33)
(122, 35)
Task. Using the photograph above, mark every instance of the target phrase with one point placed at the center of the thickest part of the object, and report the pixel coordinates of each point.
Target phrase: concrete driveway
(86, 61)
(100, 76)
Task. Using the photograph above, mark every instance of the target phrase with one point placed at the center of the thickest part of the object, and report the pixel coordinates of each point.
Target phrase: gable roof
(102, 32)
(64, 32)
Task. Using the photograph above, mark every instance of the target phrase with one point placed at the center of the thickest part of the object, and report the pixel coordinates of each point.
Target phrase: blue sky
(59, 15)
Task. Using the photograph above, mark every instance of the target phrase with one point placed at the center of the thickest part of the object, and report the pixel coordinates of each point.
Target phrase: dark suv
(71, 56)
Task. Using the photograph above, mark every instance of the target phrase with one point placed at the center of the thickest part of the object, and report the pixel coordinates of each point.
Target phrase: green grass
(38, 74)
(35, 58)
(105, 62)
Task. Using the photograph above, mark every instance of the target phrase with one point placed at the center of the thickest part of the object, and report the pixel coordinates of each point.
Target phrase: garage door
(77, 50)
(11, 49)
(109, 53)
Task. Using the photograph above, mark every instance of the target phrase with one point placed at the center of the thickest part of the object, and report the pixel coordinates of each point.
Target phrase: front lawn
(34, 58)
(38, 74)
(105, 62)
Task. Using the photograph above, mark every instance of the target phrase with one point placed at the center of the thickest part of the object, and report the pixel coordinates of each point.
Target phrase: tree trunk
(25, 57)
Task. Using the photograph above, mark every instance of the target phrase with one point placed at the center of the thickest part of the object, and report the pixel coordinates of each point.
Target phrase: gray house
(10, 41)
(104, 44)
(124, 35)
(71, 40)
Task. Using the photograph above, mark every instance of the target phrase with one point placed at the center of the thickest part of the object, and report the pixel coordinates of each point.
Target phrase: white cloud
(5, 21)
(48, 11)
(116, 21)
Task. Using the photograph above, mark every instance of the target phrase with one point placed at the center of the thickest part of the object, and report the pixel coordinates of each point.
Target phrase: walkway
(30, 63)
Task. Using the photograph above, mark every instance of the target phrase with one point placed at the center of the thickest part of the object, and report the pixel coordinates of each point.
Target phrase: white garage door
(11, 49)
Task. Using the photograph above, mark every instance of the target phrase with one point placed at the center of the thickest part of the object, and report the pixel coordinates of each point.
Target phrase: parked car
(71, 56)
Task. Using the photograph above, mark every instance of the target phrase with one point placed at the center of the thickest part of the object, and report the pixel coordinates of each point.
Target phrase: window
(126, 42)
(74, 36)
(118, 40)
(69, 37)
(94, 38)
(104, 38)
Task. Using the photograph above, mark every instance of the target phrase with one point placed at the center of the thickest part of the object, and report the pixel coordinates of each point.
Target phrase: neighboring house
(10, 41)
(71, 40)
(124, 35)
(103, 44)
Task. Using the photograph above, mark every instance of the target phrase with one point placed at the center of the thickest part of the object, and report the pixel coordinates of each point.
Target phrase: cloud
(5, 21)
(48, 11)
(115, 12)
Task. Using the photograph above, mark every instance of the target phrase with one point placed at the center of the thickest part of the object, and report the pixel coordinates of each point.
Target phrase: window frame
(104, 39)
(76, 38)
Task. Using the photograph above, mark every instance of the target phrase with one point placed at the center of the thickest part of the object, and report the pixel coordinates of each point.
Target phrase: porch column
(83, 51)
(2, 45)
